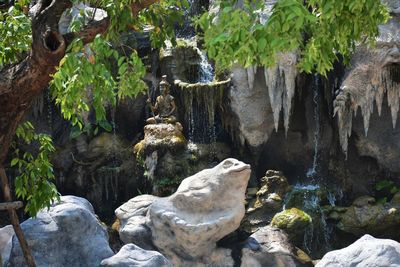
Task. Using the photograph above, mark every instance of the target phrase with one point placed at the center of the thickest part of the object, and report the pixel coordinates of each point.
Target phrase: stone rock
(132, 218)
(366, 251)
(367, 216)
(273, 182)
(250, 102)
(181, 62)
(68, 234)
(270, 247)
(132, 255)
(293, 221)
(268, 201)
(206, 207)
(6, 234)
(160, 136)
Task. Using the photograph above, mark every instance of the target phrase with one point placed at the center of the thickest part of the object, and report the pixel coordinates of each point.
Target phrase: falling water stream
(312, 172)
(311, 195)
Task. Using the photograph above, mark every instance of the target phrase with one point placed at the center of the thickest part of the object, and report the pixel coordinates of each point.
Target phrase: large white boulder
(366, 251)
(68, 234)
(206, 207)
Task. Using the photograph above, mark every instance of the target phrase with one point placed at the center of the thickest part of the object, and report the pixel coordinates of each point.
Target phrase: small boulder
(366, 215)
(132, 218)
(268, 201)
(160, 136)
(293, 221)
(132, 255)
(366, 251)
(68, 234)
(270, 246)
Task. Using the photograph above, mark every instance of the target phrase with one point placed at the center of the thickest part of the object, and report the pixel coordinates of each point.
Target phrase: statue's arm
(173, 108)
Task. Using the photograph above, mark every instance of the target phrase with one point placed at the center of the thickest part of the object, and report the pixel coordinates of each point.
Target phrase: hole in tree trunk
(52, 42)
(46, 3)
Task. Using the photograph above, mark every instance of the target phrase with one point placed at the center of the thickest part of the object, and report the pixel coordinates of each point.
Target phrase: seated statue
(164, 107)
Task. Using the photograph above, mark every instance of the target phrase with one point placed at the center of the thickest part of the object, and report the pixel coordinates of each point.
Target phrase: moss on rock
(293, 221)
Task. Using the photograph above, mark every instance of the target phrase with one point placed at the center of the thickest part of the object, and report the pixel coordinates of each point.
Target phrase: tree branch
(89, 31)
(137, 6)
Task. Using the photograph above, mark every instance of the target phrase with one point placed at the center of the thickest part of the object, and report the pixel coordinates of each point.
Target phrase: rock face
(372, 75)
(102, 169)
(132, 217)
(132, 255)
(206, 207)
(68, 234)
(270, 247)
(367, 251)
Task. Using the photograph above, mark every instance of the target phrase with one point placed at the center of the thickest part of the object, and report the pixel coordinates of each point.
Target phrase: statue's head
(164, 85)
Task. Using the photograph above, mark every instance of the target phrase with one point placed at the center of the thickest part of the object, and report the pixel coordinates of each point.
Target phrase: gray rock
(270, 247)
(366, 251)
(394, 5)
(367, 216)
(250, 102)
(132, 217)
(132, 255)
(68, 234)
(206, 207)
(6, 234)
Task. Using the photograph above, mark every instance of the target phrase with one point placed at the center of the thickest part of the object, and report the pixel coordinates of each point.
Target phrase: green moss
(292, 220)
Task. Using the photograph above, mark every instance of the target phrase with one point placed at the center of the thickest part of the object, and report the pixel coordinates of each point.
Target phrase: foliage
(33, 184)
(15, 32)
(91, 129)
(317, 29)
(386, 187)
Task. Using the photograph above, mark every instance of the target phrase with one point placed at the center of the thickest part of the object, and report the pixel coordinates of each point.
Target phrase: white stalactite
(364, 85)
(281, 83)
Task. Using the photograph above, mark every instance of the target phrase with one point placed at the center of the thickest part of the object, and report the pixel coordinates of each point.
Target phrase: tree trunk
(15, 221)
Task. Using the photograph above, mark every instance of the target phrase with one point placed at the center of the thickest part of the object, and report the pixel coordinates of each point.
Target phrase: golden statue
(165, 105)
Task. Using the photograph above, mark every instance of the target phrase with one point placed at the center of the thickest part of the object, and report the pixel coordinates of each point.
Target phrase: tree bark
(15, 221)
(11, 205)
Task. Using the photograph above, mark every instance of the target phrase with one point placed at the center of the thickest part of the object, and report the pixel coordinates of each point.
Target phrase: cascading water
(312, 195)
(201, 99)
(206, 72)
(312, 172)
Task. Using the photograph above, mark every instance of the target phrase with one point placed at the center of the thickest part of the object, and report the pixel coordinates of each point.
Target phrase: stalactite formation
(375, 73)
(281, 83)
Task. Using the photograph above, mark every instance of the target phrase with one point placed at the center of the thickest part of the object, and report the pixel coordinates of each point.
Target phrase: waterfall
(206, 72)
(312, 172)
(201, 101)
(310, 198)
